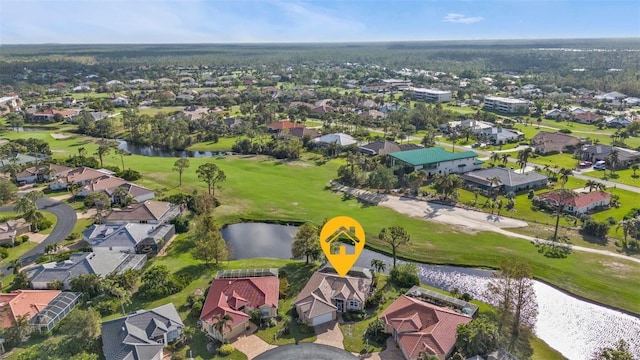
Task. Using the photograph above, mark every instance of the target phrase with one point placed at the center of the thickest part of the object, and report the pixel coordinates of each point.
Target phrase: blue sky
(232, 21)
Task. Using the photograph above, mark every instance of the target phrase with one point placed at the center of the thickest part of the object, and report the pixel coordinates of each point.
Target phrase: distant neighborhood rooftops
(338, 139)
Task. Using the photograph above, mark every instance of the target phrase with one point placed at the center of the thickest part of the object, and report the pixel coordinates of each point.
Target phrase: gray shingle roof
(108, 235)
(507, 177)
(134, 336)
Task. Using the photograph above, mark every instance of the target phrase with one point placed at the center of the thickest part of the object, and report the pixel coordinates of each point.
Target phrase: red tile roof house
(41, 173)
(579, 204)
(236, 293)
(279, 126)
(587, 118)
(23, 303)
(81, 176)
(48, 115)
(419, 327)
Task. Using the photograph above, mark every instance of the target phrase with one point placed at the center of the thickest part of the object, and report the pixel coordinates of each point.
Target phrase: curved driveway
(66, 221)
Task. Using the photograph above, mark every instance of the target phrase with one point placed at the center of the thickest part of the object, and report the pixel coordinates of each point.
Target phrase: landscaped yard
(621, 176)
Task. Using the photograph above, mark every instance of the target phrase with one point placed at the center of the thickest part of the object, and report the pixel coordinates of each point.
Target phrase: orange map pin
(333, 236)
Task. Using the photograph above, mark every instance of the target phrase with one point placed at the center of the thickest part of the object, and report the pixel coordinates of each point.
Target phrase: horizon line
(327, 42)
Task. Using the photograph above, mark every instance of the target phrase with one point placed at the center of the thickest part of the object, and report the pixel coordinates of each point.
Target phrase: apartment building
(433, 95)
(505, 105)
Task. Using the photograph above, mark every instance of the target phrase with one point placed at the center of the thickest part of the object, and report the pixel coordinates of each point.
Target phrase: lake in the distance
(572, 326)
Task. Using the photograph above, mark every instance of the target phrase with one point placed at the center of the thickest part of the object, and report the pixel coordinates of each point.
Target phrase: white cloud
(462, 19)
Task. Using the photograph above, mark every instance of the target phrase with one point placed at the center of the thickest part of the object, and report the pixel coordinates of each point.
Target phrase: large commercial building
(506, 105)
(433, 95)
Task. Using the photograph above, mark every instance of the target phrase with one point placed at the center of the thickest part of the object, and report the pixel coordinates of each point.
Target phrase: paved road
(609, 184)
(66, 221)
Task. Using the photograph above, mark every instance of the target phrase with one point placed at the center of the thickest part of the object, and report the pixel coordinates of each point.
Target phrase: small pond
(148, 150)
(572, 326)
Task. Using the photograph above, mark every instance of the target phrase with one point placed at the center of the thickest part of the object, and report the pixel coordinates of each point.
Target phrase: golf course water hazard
(574, 327)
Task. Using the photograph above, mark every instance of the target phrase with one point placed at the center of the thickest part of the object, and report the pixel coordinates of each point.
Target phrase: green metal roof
(430, 156)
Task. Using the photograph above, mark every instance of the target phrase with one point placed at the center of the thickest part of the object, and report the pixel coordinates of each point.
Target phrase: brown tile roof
(227, 296)
(145, 211)
(23, 303)
(302, 131)
(81, 174)
(284, 124)
(105, 182)
(587, 116)
(315, 298)
(58, 170)
(423, 327)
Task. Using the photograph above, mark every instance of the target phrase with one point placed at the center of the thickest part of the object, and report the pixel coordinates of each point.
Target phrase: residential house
(546, 142)
(373, 114)
(21, 159)
(194, 112)
(626, 157)
(339, 139)
(436, 160)
(83, 263)
(432, 95)
(380, 147)
(131, 238)
(326, 294)
(580, 203)
(50, 114)
(555, 114)
(321, 110)
(9, 104)
(507, 180)
(142, 334)
(300, 133)
(145, 212)
(587, 117)
(366, 104)
(111, 186)
(499, 136)
(236, 293)
(120, 101)
(476, 126)
(232, 122)
(277, 127)
(632, 101)
(81, 176)
(42, 308)
(422, 328)
(506, 105)
(611, 96)
(11, 229)
(618, 121)
(41, 173)
(81, 88)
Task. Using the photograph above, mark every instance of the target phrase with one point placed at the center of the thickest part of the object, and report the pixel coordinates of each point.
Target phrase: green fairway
(261, 188)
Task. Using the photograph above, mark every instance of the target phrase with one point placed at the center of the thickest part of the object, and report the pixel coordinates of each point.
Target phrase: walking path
(475, 220)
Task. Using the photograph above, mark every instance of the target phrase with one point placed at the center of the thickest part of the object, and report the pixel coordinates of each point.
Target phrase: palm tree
(378, 265)
(495, 157)
(15, 264)
(492, 182)
(563, 198)
(539, 120)
(523, 156)
(564, 176)
(613, 158)
(629, 226)
(447, 184)
(591, 184)
(505, 159)
(222, 322)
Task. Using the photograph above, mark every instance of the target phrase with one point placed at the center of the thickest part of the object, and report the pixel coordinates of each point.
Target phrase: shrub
(43, 223)
(405, 275)
(596, 229)
(25, 238)
(73, 236)
(226, 349)
(374, 301)
(4, 253)
(531, 194)
(181, 224)
(284, 286)
(131, 175)
(565, 131)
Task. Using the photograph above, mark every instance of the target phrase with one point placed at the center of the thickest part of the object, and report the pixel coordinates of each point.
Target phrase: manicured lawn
(152, 111)
(313, 123)
(49, 216)
(621, 176)
(223, 144)
(258, 187)
(566, 161)
(17, 251)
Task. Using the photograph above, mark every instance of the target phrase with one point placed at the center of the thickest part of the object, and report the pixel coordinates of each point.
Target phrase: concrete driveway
(251, 345)
(329, 334)
(392, 352)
